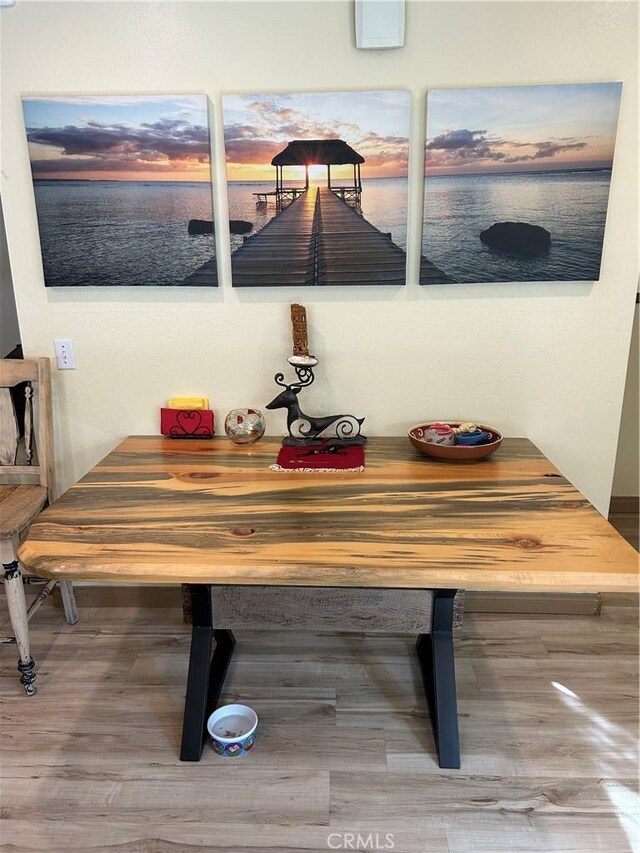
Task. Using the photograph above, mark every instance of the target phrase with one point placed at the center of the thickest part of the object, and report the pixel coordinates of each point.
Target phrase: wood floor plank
(541, 833)
(415, 795)
(187, 793)
(169, 669)
(534, 625)
(550, 749)
(583, 676)
(206, 834)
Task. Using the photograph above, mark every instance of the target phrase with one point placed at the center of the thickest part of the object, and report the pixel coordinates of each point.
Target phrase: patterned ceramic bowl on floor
(232, 729)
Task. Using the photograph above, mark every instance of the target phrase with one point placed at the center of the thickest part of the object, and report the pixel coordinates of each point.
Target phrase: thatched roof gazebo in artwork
(318, 152)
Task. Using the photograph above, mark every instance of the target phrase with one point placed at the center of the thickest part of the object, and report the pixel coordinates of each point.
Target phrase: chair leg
(68, 602)
(18, 614)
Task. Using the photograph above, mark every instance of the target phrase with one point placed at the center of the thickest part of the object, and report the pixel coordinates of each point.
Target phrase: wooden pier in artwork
(204, 276)
(319, 239)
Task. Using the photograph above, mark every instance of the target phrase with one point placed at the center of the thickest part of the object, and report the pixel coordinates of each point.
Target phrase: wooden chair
(26, 485)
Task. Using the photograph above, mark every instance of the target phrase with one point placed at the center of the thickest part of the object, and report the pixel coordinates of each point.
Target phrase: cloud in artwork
(71, 165)
(464, 147)
(547, 149)
(268, 126)
(169, 143)
(456, 139)
(521, 128)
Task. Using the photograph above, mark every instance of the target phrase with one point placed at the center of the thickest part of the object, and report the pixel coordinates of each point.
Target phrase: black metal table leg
(435, 653)
(206, 672)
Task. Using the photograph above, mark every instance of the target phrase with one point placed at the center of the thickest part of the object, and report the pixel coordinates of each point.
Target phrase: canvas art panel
(317, 186)
(122, 187)
(517, 182)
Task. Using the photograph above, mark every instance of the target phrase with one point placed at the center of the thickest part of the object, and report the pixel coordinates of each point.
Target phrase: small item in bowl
(439, 433)
(471, 438)
(466, 427)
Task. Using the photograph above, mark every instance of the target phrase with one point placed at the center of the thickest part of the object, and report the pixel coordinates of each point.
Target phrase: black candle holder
(303, 429)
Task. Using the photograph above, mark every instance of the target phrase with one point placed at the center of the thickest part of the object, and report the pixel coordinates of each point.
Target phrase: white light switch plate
(64, 355)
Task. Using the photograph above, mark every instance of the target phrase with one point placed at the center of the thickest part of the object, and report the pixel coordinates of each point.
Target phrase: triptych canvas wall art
(117, 178)
(539, 156)
(322, 177)
(516, 186)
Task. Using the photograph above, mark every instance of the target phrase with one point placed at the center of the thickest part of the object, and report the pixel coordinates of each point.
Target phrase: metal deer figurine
(305, 429)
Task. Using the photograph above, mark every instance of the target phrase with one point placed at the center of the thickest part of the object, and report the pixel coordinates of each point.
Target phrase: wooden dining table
(212, 514)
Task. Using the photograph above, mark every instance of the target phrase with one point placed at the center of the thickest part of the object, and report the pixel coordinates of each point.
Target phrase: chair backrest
(26, 450)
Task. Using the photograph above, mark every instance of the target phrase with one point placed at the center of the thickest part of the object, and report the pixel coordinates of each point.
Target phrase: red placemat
(320, 457)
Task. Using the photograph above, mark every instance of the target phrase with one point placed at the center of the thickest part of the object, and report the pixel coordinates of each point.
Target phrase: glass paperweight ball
(244, 426)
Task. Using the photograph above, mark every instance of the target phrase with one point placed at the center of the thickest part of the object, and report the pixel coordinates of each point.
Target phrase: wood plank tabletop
(159, 510)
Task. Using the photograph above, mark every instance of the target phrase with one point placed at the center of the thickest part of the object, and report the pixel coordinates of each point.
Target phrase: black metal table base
(207, 673)
(435, 653)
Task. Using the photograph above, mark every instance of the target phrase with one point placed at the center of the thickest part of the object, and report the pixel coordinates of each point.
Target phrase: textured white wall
(542, 360)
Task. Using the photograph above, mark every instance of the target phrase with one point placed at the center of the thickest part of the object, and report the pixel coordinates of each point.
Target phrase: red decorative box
(187, 423)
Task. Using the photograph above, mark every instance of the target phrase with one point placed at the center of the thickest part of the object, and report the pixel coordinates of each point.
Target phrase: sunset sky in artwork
(521, 128)
(259, 126)
(118, 137)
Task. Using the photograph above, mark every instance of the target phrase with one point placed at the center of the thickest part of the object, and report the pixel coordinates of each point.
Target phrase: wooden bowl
(454, 452)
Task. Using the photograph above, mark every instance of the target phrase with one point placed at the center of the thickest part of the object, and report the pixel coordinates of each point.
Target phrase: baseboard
(125, 595)
(625, 504)
(559, 603)
(133, 595)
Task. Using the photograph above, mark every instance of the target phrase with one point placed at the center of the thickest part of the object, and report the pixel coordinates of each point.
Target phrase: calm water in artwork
(121, 232)
(135, 233)
(572, 206)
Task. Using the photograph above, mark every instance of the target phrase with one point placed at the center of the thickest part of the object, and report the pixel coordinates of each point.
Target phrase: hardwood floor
(548, 719)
